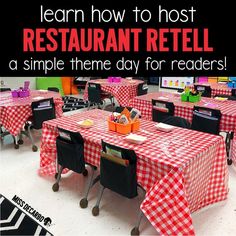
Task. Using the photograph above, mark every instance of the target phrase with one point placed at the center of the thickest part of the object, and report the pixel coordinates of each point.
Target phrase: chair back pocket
(118, 175)
(70, 155)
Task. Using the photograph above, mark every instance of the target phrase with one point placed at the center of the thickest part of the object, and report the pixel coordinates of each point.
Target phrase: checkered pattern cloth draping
(185, 109)
(123, 91)
(14, 112)
(182, 171)
(219, 89)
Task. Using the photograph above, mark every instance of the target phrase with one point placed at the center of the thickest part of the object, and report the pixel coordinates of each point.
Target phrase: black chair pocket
(118, 177)
(42, 114)
(70, 155)
(159, 116)
(205, 123)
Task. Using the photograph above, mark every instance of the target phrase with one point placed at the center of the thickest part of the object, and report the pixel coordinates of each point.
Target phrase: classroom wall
(16, 82)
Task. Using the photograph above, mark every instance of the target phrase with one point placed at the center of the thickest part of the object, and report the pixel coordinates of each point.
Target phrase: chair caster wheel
(85, 172)
(55, 187)
(16, 146)
(95, 211)
(135, 231)
(229, 162)
(34, 148)
(83, 203)
(20, 142)
(55, 176)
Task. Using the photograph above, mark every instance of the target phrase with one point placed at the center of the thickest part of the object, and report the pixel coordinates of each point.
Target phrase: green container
(184, 97)
(195, 98)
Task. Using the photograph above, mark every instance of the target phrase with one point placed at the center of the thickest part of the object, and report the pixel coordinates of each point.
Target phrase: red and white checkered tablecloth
(182, 171)
(14, 112)
(218, 89)
(122, 91)
(185, 109)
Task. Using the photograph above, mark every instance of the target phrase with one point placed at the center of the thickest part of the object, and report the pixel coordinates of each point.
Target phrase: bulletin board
(176, 82)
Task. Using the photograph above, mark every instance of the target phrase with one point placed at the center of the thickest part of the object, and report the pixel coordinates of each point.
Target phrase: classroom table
(14, 112)
(185, 110)
(182, 171)
(123, 91)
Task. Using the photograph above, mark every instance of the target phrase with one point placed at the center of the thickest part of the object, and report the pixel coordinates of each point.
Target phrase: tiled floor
(18, 176)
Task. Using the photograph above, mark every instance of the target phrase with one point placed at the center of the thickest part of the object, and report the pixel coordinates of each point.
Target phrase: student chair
(54, 89)
(177, 121)
(72, 103)
(206, 120)
(3, 131)
(70, 155)
(142, 89)
(203, 89)
(119, 109)
(233, 95)
(96, 96)
(161, 110)
(118, 173)
(230, 135)
(233, 92)
(42, 110)
(80, 82)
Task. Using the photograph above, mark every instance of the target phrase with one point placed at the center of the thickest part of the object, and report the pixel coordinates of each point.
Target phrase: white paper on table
(164, 127)
(38, 98)
(134, 138)
(163, 98)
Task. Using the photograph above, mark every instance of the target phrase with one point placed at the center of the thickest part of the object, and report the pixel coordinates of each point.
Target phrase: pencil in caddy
(124, 122)
(118, 173)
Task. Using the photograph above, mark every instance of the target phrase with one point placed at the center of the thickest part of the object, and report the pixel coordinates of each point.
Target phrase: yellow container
(223, 79)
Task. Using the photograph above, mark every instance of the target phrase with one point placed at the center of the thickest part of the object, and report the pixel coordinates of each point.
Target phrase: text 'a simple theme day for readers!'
(75, 41)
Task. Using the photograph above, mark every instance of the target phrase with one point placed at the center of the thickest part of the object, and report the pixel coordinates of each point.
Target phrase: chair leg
(20, 141)
(15, 138)
(57, 168)
(5, 133)
(135, 230)
(112, 101)
(227, 143)
(228, 140)
(95, 210)
(84, 201)
(34, 147)
(55, 186)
